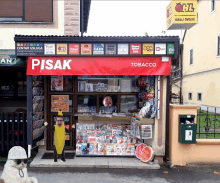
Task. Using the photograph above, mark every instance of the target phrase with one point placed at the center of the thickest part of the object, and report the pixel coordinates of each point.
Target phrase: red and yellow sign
(181, 14)
(73, 49)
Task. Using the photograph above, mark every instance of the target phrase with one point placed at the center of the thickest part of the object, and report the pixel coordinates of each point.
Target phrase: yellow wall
(204, 151)
(203, 39)
(208, 84)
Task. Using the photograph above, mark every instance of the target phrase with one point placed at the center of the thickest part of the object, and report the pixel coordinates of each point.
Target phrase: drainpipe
(81, 18)
(29, 115)
(181, 72)
(167, 119)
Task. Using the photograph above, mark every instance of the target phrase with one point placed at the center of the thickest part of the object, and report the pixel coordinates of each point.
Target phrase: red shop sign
(98, 66)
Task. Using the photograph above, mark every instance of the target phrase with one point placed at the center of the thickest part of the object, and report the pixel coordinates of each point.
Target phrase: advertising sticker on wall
(170, 49)
(110, 49)
(123, 49)
(74, 49)
(135, 49)
(98, 49)
(49, 49)
(86, 49)
(160, 49)
(148, 49)
(61, 49)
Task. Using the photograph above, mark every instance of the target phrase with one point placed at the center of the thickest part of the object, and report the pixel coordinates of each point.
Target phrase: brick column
(71, 17)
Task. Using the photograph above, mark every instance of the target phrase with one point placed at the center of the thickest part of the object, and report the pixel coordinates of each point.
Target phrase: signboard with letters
(12, 60)
(135, 49)
(160, 49)
(122, 49)
(61, 49)
(170, 49)
(29, 49)
(148, 49)
(98, 49)
(104, 49)
(181, 14)
(110, 49)
(73, 49)
(86, 49)
(49, 49)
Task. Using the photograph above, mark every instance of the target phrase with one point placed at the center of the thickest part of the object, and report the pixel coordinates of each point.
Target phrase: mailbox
(187, 129)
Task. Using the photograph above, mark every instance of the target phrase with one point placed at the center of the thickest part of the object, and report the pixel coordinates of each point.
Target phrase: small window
(190, 95)
(199, 97)
(191, 57)
(212, 5)
(218, 45)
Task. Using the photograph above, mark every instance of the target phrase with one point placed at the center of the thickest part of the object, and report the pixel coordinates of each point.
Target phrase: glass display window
(87, 103)
(61, 83)
(128, 102)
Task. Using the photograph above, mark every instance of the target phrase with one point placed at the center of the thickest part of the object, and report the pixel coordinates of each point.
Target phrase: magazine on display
(57, 83)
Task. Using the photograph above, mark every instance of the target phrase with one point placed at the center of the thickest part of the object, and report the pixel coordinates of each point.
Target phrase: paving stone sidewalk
(97, 162)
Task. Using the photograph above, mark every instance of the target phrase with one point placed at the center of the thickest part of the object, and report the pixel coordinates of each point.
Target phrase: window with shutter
(26, 10)
(218, 46)
(10, 9)
(191, 57)
(38, 10)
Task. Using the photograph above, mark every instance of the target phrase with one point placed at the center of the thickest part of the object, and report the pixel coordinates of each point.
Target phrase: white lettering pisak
(42, 64)
(33, 63)
(66, 64)
(50, 64)
(58, 65)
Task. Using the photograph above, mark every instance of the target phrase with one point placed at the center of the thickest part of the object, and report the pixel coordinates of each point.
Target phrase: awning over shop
(99, 66)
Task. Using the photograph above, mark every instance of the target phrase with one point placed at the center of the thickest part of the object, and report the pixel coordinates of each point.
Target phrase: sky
(128, 18)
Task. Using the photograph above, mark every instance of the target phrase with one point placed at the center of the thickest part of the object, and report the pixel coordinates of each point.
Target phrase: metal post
(167, 118)
(81, 17)
(29, 115)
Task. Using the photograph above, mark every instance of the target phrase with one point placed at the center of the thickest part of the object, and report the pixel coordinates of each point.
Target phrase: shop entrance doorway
(61, 94)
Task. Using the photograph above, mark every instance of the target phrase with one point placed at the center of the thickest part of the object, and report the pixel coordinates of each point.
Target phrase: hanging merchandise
(144, 110)
(142, 82)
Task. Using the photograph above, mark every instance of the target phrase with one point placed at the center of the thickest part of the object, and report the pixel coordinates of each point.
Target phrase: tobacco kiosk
(113, 88)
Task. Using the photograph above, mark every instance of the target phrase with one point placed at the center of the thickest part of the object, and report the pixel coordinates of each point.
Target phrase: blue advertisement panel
(98, 49)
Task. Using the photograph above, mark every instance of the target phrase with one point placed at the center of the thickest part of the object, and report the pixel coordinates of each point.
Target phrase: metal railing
(176, 73)
(208, 124)
(13, 130)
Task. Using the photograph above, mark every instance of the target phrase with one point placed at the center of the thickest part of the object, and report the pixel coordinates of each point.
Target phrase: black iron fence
(208, 124)
(13, 130)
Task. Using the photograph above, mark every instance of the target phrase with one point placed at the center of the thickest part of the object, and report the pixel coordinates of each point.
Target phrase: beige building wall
(65, 22)
(202, 38)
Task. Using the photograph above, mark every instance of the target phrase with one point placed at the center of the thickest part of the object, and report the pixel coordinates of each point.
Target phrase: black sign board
(110, 49)
(29, 49)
